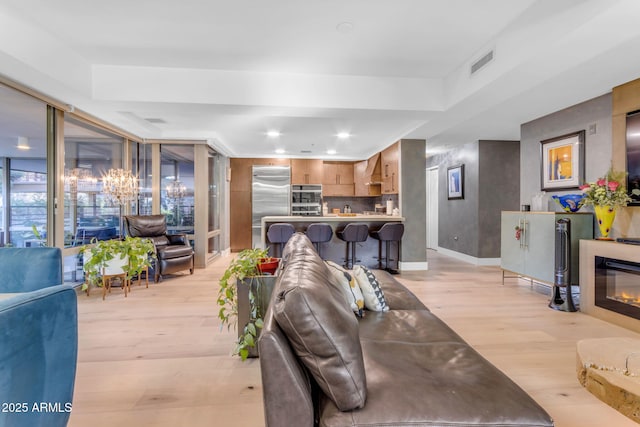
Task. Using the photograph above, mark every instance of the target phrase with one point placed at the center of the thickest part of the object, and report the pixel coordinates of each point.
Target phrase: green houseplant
(140, 252)
(243, 280)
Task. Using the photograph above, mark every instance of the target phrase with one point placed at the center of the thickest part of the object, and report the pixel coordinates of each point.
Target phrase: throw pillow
(372, 293)
(349, 286)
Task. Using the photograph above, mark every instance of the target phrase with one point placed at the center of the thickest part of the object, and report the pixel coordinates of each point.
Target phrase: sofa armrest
(287, 391)
(178, 239)
(38, 355)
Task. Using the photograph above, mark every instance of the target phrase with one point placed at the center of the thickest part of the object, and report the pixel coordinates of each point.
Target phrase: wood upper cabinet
(338, 179)
(367, 177)
(307, 171)
(390, 158)
(241, 171)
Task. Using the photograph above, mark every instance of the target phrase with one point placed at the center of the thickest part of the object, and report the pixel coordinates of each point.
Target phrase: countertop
(333, 218)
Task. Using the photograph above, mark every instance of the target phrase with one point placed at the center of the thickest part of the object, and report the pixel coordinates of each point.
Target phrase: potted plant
(244, 295)
(139, 252)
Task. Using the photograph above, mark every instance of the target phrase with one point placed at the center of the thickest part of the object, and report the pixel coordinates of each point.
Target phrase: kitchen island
(335, 250)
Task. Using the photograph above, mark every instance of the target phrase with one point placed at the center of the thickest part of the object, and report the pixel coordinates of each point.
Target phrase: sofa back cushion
(145, 225)
(29, 269)
(312, 312)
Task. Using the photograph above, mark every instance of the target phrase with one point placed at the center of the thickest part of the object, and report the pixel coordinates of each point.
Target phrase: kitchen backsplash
(360, 204)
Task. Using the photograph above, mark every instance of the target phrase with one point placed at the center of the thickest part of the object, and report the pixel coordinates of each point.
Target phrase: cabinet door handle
(525, 236)
(386, 170)
(393, 183)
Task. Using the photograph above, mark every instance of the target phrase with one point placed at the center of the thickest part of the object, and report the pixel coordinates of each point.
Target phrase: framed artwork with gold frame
(562, 162)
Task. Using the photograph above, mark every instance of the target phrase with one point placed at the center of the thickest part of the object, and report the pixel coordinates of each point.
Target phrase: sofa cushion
(372, 293)
(398, 297)
(406, 326)
(321, 328)
(435, 384)
(347, 282)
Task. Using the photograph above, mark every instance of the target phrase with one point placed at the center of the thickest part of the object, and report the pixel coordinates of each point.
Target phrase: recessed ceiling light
(345, 27)
(280, 151)
(273, 134)
(331, 152)
(343, 135)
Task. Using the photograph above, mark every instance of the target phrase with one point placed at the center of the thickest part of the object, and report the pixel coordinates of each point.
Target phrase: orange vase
(605, 215)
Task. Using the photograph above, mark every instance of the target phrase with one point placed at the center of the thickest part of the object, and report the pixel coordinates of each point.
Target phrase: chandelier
(120, 186)
(79, 178)
(176, 190)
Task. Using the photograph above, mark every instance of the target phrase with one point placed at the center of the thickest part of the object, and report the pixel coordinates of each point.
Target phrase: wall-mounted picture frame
(562, 162)
(455, 182)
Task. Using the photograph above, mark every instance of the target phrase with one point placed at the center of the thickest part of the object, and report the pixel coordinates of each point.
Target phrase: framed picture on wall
(562, 162)
(455, 182)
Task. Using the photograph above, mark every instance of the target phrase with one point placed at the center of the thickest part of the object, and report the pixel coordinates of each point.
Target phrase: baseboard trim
(468, 258)
(414, 266)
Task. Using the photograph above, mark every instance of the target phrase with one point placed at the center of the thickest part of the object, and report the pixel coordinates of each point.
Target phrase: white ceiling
(229, 71)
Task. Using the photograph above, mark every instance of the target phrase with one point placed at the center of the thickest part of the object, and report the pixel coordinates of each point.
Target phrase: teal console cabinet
(527, 243)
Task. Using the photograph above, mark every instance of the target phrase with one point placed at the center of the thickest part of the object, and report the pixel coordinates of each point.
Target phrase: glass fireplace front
(618, 286)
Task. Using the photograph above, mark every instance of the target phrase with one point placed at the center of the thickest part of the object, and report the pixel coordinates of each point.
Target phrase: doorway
(432, 208)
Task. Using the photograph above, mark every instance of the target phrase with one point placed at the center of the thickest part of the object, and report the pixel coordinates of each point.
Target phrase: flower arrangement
(607, 191)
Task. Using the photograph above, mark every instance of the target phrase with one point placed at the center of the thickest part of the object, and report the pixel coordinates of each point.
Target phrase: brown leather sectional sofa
(323, 366)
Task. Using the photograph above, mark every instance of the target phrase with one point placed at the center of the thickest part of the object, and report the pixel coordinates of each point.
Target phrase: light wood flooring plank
(158, 357)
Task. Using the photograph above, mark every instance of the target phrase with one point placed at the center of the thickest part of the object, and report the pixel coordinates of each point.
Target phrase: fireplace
(617, 286)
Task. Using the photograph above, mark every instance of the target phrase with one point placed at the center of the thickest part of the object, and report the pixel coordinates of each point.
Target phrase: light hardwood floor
(158, 357)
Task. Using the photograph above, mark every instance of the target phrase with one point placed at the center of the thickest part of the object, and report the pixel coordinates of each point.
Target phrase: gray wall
(595, 112)
(499, 190)
(471, 226)
(413, 200)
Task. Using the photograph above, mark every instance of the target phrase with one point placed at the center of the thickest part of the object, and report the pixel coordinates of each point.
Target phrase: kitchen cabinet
(240, 220)
(307, 171)
(240, 198)
(367, 177)
(389, 158)
(527, 243)
(337, 179)
(241, 170)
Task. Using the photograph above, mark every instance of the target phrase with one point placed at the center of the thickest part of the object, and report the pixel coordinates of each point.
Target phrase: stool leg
(346, 256)
(379, 254)
(353, 254)
(386, 255)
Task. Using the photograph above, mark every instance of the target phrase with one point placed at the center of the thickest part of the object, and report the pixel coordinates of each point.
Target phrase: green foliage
(609, 190)
(244, 266)
(139, 250)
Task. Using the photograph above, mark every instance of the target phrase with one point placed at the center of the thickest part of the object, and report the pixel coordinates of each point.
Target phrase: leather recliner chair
(173, 251)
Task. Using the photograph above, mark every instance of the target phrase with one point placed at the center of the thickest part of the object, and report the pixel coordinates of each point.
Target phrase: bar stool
(390, 232)
(352, 234)
(319, 232)
(280, 233)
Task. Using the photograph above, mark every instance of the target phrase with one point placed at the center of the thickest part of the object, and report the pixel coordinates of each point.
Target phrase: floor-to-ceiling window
(177, 185)
(89, 153)
(214, 175)
(23, 153)
(140, 160)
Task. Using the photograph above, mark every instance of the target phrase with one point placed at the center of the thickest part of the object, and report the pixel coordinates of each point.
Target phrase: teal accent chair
(38, 339)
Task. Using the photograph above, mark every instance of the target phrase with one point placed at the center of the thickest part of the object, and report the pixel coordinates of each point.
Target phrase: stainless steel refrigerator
(270, 196)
